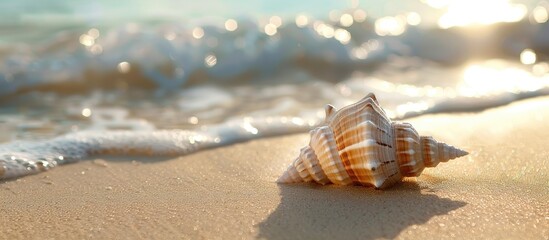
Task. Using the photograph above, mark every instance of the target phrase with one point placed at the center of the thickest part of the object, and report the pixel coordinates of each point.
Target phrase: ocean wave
(171, 56)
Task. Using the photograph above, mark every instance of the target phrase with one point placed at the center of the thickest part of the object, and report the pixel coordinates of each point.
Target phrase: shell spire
(359, 144)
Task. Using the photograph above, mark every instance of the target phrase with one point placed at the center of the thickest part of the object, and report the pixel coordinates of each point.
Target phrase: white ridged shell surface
(360, 145)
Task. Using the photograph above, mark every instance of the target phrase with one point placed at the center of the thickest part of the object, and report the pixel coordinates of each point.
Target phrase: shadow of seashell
(310, 211)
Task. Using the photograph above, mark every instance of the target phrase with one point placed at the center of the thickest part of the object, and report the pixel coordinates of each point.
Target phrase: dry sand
(499, 191)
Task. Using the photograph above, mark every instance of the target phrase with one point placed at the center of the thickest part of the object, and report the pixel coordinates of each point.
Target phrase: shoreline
(498, 191)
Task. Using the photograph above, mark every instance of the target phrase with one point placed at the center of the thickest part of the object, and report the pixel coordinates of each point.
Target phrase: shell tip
(462, 153)
(329, 110)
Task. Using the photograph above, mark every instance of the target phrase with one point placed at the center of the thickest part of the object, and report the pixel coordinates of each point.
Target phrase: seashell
(360, 145)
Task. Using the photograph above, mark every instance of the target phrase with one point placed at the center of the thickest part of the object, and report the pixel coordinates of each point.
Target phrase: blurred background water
(233, 70)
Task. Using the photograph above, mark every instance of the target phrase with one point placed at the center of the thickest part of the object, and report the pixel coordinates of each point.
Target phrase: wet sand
(499, 191)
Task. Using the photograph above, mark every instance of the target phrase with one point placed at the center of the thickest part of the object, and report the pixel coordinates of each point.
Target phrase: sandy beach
(499, 191)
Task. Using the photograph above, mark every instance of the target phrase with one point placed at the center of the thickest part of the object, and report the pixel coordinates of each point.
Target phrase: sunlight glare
(198, 33)
(540, 68)
(301, 21)
(473, 12)
(413, 18)
(94, 33)
(438, 4)
(528, 56)
(276, 20)
(231, 25)
(393, 26)
(342, 35)
(540, 14)
(86, 112)
(324, 30)
(270, 29)
(484, 80)
(86, 40)
(346, 20)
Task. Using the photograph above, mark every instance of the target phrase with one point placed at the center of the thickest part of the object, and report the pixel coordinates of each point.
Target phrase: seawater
(176, 88)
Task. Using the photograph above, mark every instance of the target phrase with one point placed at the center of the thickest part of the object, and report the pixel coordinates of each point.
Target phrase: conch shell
(360, 145)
